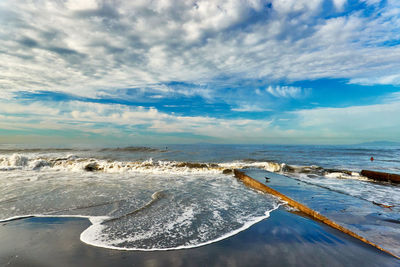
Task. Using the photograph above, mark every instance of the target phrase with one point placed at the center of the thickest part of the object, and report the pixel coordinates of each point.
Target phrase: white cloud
(89, 47)
(371, 2)
(339, 4)
(384, 79)
(355, 118)
(81, 5)
(354, 123)
(111, 119)
(286, 91)
(250, 108)
(9, 107)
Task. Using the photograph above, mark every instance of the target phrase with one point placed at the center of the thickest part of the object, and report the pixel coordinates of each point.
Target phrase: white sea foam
(37, 168)
(94, 234)
(76, 164)
(356, 186)
(118, 205)
(73, 163)
(91, 236)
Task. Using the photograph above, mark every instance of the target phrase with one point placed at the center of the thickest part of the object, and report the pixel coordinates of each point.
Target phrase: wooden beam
(381, 176)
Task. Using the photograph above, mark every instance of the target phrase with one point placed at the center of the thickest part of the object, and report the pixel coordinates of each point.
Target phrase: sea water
(176, 196)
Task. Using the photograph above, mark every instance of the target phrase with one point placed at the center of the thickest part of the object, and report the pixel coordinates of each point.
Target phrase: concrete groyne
(253, 183)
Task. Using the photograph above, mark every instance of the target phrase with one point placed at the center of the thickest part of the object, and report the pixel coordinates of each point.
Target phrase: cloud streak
(114, 119)
(321, 125)
(286, 91)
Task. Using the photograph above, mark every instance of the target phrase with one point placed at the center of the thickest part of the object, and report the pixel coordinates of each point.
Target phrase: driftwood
(381, 176)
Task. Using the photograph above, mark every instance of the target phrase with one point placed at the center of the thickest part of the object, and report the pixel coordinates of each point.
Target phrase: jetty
(284, 186)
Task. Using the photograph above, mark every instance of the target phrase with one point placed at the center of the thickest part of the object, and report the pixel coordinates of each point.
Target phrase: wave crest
(77, 164)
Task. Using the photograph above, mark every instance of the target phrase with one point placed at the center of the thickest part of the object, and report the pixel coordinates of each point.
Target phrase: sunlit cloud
(286, 91)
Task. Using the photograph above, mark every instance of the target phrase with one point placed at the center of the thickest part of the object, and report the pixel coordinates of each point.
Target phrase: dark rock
(40, 164)
(287, 168)
(392, 221)
(381, 176)
(92, 167)
(227, 171)
(336, 170)
(192, 165)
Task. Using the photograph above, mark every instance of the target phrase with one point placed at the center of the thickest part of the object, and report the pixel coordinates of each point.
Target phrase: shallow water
(138, 211)
(284, 239)
(175, 196)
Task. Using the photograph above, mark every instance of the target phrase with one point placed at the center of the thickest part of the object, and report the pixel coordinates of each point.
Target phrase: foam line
(154, 197)
(16, 218)
(87, 236)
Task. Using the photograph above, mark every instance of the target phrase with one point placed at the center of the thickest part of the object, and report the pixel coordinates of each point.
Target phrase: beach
(284, 239)
(183, 206)
(200, 133)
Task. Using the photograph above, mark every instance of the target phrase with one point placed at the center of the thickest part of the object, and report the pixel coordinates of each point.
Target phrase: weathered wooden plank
(381, 176)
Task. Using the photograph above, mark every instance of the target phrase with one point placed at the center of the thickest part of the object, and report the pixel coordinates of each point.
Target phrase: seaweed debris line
(249, 181)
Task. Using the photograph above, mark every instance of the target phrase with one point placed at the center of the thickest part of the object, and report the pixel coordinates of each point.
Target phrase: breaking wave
(78, 164)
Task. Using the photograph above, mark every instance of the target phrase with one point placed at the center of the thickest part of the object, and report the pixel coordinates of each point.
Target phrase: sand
(284, 239)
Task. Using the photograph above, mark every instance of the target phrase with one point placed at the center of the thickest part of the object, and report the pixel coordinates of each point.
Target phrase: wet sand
(284, 239)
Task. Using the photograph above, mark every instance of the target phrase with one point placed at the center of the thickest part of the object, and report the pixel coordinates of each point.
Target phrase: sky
(117, 72)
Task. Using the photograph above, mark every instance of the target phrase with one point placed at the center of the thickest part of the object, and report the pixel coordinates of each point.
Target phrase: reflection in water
(284, 239)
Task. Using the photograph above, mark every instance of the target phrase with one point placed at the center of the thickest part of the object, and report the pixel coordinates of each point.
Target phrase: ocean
(177, 196)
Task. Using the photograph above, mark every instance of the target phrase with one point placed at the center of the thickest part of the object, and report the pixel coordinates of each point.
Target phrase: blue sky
(154, 72)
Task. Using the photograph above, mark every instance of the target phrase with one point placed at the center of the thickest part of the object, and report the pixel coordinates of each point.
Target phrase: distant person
(372, 158)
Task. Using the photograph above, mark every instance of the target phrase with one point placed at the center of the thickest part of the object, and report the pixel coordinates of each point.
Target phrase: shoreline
(283, 239)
